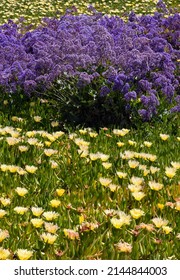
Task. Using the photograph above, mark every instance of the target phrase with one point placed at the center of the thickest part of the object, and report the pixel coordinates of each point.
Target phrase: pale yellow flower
(107, 165)
(37, 223)
(148, 227)
(105, 181)
(21, 171)
(49, 238)
(103, 157)
(55, 203)
(120, 132)
(4, 254)
(3, 234)
(20, 210)
(124, 247)
(178, 138)
(170, 172)
(133, 163)
(37, 118)
(12, 141)
(166, 229)
(83, 131)
(2, 213)
(83, 152)
(5, 201)
(175, 164)
(48, 143)
(132, 143)
(60, 192)
(54, 164)
(51, 228)
(31, 168)
(32, 141)
(50, 152)
(127, 155)
(5, 102)
(154, 169)
(155, 186)
(87, 226)
(54, 123)
(147, 144)
(121, 174)
(136, 213)
(177, 205)
(164, 137)
(81, 218)
(21, 191)
(50, 215)
(138, 195)
(71, 234)
(23, 148)
(159, 222)
(13, 168)
(94, 156)
(30, 133)
(4, 167)
(113, 187)
(160, 206)
(137, 181)
(134, 188)
(24, 254)
(16, 119)
(120, 144)
(93, 134)
(37, 211)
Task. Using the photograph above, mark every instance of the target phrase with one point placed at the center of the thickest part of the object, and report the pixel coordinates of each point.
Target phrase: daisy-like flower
(121, 174)
(21, 171)
(154, 169)
(175, 164)
(133, 163)
(55, 203)
(24, 254)
(124, 247)
(50, 227)
(160, 206)
(113, 187)
(147, 144)
(37, 211)
(50, 152)
(105, 181)
(118, 222)
(166, 229)
(20, 210)
(159, 222)
(4, 167)
(94, 156)
(107, 165)
(2, 213)
(37, 118)
(23, 148)
(54, 164)
(136, 213)
(120, 132)
(148, 227)
(37, 223)
(4, 254)
(137, 181)
(13, 168)
(12, 141)
(50, 215)
(132, 143)
(83, 153)
(138, 195)
(21, 191)
(31, 168)
(60, 192)
(3, 234)
(32, 141)
(5, 201)
(87, 226)
(30, 133)
(120, 144)
(164, 137)
(54, 123)
(134, 188)
(177, 205)
(103, 157)
(155, 186)
(49, 238)
(71, 234)
(93, 134)
(170, 172)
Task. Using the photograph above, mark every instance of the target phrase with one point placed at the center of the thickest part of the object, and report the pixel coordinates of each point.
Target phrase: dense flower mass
(137, 59)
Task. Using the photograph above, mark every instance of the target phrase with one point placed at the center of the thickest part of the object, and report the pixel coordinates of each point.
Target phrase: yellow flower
(93, 134)
(147, 144)
(50, 215)
(49, 238)
(37, 223)
(136, 213)
(71, 234)
(21, 171)
(167, 229)
(32, 141)
(3, 234)
(155, 186)
(30, 133)
(5, 201)
(177, 205)
(154, 169)
(175, 164)
(121, 174)
(48, 143)
(160, 206)
(159, 222)
(13, 168)
(164, 137)
(134, 188)
(12, 141)
(94, 156)
(54, 123)
(5, 102)
(4, 254)
(132, 143)
(178, 138)
(113, 187)
(152, 157)
(107, 165)
(50, 227)
(170, 172)
(138, 195)
(133, 163)
(54, 164)
(20, 210)
(148, 227)
(137, 181)
(24, 254)
(2, 213)
(124, 247)
(50, 152)
(105, 181)
(37, 118)
(21, 191)
(83, 131)
(103, 157)
(4, 167)
(55, 203)
(31, 168)
(120, 144)
(60, 192)
(37, 211)
(121, 132)
(81, 219)
(23, 148)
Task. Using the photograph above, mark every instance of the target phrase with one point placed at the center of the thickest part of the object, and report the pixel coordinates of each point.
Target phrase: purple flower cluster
(138, 58)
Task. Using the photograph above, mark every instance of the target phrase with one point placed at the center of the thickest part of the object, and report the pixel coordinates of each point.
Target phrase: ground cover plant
(71, 187)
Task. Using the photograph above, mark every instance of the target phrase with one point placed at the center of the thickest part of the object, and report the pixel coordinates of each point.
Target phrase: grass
(68, 181)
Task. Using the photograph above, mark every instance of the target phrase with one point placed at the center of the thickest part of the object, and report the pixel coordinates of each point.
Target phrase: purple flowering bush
(96, 67)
